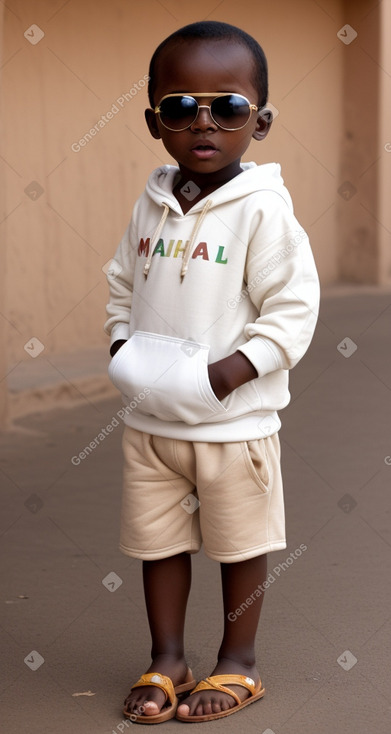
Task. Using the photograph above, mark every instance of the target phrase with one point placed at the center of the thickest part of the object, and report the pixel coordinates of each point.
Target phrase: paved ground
(324, 638)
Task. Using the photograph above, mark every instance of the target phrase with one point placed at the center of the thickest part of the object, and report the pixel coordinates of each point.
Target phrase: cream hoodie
(234, 273)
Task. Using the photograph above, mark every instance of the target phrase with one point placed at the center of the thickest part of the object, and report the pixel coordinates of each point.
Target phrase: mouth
(204, 150)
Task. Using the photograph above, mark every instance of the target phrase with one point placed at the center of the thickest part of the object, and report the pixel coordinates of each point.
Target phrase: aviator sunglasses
(229, 111)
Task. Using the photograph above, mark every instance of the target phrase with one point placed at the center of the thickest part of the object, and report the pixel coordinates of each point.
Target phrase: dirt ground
(73, 619)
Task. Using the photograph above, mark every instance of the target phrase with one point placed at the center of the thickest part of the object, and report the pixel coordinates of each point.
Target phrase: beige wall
(91, 54)
(3, 328)
(383, 124)
(356, 216)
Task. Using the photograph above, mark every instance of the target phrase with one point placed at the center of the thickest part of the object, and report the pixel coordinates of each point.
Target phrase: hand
(217, 381)
(116, 346)
(229, 373)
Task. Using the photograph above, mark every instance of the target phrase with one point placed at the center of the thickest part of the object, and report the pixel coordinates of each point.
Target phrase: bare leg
(237, 650)
(166, 589)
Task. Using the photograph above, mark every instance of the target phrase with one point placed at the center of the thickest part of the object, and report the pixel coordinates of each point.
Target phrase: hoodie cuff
(263, 354)
(119, 331)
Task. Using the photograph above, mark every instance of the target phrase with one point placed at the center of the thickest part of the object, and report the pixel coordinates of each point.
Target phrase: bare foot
(213, 702)
(149, 700)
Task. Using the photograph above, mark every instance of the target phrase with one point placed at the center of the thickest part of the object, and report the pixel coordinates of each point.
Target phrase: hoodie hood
(265, 177)
(160, 185)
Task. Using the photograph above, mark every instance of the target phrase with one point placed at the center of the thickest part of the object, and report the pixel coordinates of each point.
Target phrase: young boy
(213, 298)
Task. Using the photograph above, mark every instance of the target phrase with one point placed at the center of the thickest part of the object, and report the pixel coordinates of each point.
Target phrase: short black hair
(216, 31)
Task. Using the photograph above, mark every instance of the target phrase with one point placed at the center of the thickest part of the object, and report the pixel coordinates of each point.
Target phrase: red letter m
(143, 248)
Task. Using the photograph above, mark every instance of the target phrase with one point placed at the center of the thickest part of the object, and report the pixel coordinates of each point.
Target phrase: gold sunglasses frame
(252, 108)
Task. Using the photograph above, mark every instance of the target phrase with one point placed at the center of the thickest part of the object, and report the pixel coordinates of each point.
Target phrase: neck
(208, 182)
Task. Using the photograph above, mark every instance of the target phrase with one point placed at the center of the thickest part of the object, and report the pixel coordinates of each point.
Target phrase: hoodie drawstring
(155, 239)
(189, 244)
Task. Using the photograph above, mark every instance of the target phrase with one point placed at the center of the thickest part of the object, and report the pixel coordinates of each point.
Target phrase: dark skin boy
(199, 66)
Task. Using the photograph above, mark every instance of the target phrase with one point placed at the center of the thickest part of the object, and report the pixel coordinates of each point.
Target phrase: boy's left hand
(229, 373)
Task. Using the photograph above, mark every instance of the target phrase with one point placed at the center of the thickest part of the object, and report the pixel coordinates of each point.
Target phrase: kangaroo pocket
(176, 373)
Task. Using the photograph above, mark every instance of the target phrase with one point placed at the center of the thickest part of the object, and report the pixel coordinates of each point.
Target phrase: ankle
(169, 655)
(243, 658)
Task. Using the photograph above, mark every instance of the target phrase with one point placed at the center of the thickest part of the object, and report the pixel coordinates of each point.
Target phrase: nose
(203, 120)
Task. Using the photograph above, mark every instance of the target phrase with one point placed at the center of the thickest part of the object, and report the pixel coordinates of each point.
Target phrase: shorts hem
(245, 555)
(159, 554)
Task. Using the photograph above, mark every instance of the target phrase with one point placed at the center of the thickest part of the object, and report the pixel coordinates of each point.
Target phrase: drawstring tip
(146, 270)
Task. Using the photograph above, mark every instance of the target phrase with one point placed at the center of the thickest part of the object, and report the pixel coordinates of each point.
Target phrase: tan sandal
(171, 693)
(216, 683)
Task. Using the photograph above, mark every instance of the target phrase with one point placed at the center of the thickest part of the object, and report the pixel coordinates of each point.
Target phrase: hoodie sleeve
(283, 285)
(120, 280)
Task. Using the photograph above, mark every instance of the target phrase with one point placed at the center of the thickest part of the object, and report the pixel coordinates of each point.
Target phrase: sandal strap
(216, 683)
(160, 681)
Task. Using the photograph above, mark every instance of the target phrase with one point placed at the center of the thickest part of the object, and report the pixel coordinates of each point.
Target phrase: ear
(264, 122)
(151, 119)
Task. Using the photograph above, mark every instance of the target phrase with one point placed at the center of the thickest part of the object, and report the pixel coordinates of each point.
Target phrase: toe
(205, 706)
(144, 702)
(128, 705)
(150, 708)
(227, 703)
(204, 709)
(183, 709)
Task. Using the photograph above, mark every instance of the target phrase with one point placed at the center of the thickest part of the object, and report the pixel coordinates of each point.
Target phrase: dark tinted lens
(230, 111)
(178, 112)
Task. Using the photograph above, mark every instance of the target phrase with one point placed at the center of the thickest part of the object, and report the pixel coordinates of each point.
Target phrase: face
(205, 149)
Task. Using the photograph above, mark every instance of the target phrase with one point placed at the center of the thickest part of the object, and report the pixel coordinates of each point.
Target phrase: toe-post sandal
(171, 692)
(219, 683)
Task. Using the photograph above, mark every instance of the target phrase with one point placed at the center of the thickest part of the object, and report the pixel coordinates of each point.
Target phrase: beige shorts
(178, 494)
